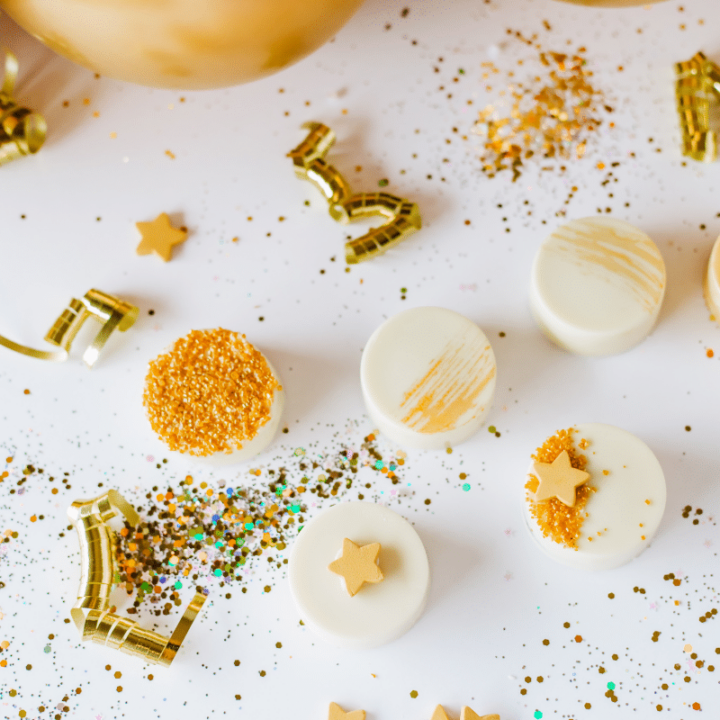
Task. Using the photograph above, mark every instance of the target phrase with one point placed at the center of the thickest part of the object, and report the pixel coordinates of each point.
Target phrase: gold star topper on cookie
(337, 713)
(466, 714)
(559, 479)
(358, 565)
(159, 237)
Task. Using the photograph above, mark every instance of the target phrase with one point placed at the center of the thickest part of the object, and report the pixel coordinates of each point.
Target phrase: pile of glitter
(556, 520)
(552, 116)
(206, 536)
(209, 393)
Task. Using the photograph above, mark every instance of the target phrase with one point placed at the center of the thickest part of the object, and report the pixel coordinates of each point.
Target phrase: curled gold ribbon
(402, 216)
(111, 311)
(22, 131)
(91, 612)
(697, 82)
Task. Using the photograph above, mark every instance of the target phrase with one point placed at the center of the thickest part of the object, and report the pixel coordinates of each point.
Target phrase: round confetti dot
(413, 693)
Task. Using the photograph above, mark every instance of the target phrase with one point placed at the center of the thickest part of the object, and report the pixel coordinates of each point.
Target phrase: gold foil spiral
(697, 85)
(22, 131)
(402, 216)
(91, 612)
(113, 312)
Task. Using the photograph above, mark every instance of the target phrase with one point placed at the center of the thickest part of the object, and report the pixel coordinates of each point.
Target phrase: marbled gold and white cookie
(597, 286)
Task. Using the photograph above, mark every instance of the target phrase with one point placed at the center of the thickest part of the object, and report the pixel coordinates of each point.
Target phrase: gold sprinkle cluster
(210, 393)
(553, 115)
(556, 520)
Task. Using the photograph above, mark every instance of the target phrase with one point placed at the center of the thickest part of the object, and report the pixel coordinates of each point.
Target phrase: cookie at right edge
(597, 286)
(711, 284)
(594, 496)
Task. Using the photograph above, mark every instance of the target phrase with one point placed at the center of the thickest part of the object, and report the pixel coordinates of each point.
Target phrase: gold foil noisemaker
(697, 85)
(111, 311)
(22, 131)
(91, 612)
(402, 216)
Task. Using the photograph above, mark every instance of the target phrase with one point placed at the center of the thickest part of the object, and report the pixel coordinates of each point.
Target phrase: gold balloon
(182, 43)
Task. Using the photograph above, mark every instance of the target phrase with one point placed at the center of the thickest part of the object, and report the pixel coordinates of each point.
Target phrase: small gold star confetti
(466, 714)
(559, 479)
(159, 236)
(337, 713)
(357, 565)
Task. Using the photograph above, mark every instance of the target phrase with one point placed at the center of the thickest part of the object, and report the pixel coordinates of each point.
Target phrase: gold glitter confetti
(114, 313)
(402, 216)
(22, 131)
(555, 118)
(99, 567)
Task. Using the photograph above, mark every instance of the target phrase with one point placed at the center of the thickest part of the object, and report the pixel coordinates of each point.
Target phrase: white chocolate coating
(378, 613)
(428, 378)
(711, 283)
(618, 509)
(597, 286)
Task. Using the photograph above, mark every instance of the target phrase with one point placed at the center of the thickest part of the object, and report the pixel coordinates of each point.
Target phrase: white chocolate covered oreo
(597, 286)
(428, 378)
(619, 498)
(324, 570)
(214, 397)
(711, 283)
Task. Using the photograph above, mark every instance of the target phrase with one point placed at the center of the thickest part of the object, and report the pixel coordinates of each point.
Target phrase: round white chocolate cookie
(214, 397)
(597, 286)
(380, 611)
(711, 283)
(428, 378)
(624, 511)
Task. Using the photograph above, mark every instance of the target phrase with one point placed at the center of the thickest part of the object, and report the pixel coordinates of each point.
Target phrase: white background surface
(494, 596)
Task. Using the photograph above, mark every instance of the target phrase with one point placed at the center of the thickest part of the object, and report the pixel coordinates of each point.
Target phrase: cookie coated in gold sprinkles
(210, 393)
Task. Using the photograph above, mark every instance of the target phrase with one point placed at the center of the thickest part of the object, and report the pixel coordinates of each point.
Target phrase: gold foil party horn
(318, 141)
(111, 311)
(22, 131)
(98, 570)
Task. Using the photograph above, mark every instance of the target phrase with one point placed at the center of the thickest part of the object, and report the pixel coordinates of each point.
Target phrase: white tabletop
(67, 220)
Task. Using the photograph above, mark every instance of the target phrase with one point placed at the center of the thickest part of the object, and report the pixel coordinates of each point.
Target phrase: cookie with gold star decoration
(337, 713)
(345, 598)
(595, 496)
(465, 714)
(159, 237)
(357, 565)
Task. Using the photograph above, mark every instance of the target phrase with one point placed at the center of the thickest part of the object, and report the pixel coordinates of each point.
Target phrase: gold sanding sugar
(211, 392)
(554, 518)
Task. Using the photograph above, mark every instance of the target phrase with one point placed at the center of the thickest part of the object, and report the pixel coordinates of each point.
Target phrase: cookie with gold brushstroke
(364, 605)
(594, 496)
(159, 237)
(213, 396)
(711, 284)
(357, 565)
(335, 712)
(597, 286)
(428, 378)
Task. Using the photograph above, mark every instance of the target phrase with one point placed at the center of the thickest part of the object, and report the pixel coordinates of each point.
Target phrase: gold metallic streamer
(698, 79)
(403, 216)
(98, 570)
(22, 131)
(113, 312)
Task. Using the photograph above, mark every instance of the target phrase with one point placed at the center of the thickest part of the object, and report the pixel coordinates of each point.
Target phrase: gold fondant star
(559, 479)
(159, 236)
(358, 565)
(466, 714)
(337, 713)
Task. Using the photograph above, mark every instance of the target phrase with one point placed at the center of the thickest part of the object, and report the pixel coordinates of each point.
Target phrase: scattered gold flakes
(113, 135)
(170, 154)
(552, 116)
(556, 520)
(210, 393)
